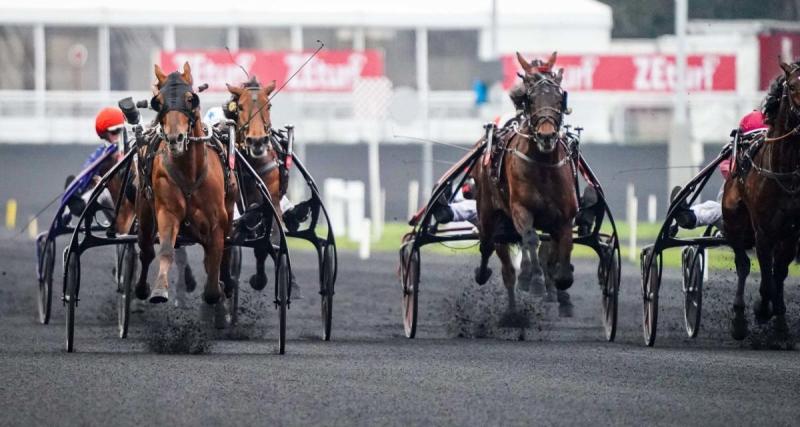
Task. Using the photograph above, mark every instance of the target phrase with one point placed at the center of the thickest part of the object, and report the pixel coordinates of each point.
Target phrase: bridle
(173, 93)
(533, 120)
(252, 92)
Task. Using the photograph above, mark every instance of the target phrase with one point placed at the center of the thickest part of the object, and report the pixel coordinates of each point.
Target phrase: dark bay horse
(762, 209)
(188, 190)
(537, 187)
(250, 108)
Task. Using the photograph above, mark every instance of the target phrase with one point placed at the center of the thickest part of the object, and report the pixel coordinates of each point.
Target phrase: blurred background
(657, 85)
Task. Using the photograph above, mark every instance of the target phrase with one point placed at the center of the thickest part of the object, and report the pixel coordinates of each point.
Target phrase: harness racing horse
(536, 188)
(185, 190)
(250, 108)
(762, 208)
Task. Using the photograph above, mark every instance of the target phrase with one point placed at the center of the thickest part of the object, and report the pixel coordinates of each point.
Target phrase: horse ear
(786, 68)
(552, 60)
(559, 75)
(160, 76)
(524, 64)
(187, 73)
(269, 88)
(235, 91)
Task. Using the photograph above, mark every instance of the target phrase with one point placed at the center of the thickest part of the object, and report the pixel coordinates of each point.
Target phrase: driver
(710, 211)
(108, 125)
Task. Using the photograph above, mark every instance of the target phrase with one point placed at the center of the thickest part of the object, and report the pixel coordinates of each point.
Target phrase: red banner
(329, 71)
(635, 73)
(780, 44)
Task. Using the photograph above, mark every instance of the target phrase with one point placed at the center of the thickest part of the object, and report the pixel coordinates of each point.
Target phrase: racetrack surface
(563, 372)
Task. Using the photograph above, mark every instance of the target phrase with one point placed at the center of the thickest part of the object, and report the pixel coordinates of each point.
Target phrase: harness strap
(784, 136)
(524, 157)
(178, 178)
(267, 167)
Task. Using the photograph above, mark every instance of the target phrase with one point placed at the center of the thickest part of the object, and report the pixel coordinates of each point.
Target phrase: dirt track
(562, 373)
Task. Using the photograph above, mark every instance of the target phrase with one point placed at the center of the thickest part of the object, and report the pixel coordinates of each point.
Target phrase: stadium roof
(366, 13)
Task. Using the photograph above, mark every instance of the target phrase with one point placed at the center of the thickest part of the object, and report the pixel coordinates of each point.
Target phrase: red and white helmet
(752, 122)
(107, 120)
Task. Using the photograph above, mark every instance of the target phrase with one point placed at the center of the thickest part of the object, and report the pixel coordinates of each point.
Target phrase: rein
(519, 154)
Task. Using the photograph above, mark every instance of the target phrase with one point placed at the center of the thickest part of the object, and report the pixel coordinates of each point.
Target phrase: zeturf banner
(329, 71)
(635, 73)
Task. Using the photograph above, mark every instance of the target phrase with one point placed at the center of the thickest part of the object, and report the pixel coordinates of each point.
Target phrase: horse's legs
(739, 322)
(762, 309)
(259, 280)
(562, 271)
(523, 222)
(146, 252)
(483, 272)
(784, 255)
(213, 248)
(167, 233)
(526, 272)
(181, 265)
(509, 275)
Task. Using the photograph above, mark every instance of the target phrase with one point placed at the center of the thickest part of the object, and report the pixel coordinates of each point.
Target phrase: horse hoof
(189, 281)
(538, 285)
(762, 312)
(563, 278)
(142, 291)
(565, 310)
(739, 329)
(258, 282)
(229, 287)
(481, 277)
(550, 296)
(212, 297)
(221, 316)
(159, 295)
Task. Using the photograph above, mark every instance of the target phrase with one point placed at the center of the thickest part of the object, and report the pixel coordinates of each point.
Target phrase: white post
(355, 210)
(39, 68)
(333, 191)
(364, 242)
(680, 143)
(632, 217)
(33, 227)
(423, 89)
(104, 58)
(374, 167)
(232, 38)
(413, 197)
(169, 38)
(652, 204)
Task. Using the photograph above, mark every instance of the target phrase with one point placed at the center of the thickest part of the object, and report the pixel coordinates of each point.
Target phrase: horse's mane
(773, 100)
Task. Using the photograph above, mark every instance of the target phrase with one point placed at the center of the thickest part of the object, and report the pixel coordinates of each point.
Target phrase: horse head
(545, 103)
(177, 106)
(791, 87)
(250, 108)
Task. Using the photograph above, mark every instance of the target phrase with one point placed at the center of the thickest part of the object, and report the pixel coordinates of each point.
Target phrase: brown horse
(536, 189)
(763, 208)
(250, 108)
(188, 188)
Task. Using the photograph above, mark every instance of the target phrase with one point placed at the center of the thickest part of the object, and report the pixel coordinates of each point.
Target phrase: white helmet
(213, 116)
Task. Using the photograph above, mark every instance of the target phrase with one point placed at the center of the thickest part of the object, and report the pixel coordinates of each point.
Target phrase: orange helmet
(108, 119)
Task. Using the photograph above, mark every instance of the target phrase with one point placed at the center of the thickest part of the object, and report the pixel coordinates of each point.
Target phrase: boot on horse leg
(763, 309)
(181, 279)
(530, 243)
(259, 280)
(168, 231)
(784, 255)
(562, 249)
(483, 272)
(739, 328)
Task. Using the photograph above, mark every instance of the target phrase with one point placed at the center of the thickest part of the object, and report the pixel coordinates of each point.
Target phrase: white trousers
(465, 210)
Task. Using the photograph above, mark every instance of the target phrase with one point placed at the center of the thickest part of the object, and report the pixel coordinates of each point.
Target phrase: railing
(67, 116)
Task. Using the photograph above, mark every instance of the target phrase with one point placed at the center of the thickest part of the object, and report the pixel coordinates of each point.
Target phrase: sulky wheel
(282, 299)
(327, 270)
(693, 263)
(126, 271)
(236, 271)
(651, 282)
(72, 278)
(44, 300)
(409, 275)
(609, 281)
